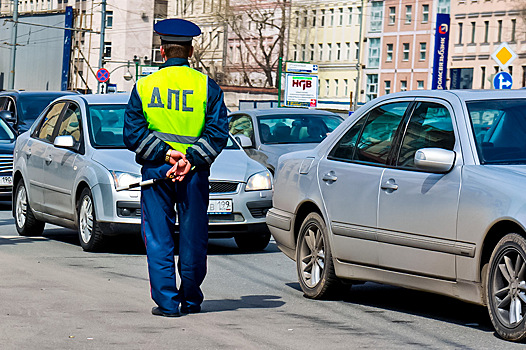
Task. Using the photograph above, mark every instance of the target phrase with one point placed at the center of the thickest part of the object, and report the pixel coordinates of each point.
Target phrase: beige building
(327, 33)
(478, 28)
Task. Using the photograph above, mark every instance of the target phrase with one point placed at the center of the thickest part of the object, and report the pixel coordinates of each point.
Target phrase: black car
(21, 108)
(7, 144)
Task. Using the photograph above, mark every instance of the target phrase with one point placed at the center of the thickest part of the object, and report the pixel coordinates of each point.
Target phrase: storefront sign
(440, 52)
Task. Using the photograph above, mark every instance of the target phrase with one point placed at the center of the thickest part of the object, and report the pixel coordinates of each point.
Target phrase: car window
(377, 136)
(344, 149)
(2, 102)
(430, 126)
(45, 131)
(70, 124)
(6, 134)
(242, 125)
(296, 128)
(106, 124)
(499, 127)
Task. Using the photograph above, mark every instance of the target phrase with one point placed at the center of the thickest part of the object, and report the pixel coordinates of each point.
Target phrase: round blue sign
(502, 80)
(103, 75)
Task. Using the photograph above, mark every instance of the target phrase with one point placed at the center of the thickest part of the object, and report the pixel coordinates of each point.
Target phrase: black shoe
(158, 312)
(190, 310)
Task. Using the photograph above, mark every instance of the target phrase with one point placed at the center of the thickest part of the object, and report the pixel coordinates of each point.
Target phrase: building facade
(478, 28)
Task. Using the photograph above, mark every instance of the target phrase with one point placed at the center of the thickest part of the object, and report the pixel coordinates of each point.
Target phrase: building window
(329, 46)
(338, 51)
(350, 15)
(312, 52)
(513, 29)
(473, 28)
(408, 15)
(376, 16)
(357, 51)
(423, 48)
(332, 17)
(405, 55)
(340, 20)
(320, 48)
(303, 52)
(372, 87)
(348, 49)
(387, 87)
(374, 53)
(107, 50)
(322, 24)
(327, 87)
(499, 32)
(460, 27)
(336, 90)
(392, 15)
(345, 87)
(420, 84)
(443, 6)
(483, 75)
(314, 18)
(425, 13)
(297, 22)
(295, 54)
(389, 53)
(403, 85)
(486, 31)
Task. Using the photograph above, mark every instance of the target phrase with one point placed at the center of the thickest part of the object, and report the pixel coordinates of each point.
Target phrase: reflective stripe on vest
(174, 104)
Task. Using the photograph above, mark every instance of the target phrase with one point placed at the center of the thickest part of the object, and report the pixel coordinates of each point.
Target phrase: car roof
(461, 94)
(100, 99)
(284, 110)
(39, 93)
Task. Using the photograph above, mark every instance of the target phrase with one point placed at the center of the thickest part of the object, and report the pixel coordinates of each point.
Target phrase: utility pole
(359, 63)
(11, 82)
(102, 32)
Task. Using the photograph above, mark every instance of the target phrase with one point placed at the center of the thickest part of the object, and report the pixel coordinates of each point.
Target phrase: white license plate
(220, 206)
(6, 181)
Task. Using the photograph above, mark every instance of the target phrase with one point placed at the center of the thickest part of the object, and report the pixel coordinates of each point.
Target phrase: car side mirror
(7, 116)
(244, 141)
(64, 141)
(435, 160)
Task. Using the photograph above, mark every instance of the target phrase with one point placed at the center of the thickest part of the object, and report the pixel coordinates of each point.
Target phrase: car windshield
(105, 125)
(289, 128)
(6, 134)
(499, 127)
(32, 105)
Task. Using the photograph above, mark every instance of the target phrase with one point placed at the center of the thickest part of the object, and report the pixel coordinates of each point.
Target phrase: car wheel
(25, 222)
(506, 287)
(252, 242)
(90, 233)
(314, 259)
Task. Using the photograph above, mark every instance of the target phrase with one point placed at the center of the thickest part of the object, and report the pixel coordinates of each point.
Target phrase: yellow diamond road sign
(504, 55)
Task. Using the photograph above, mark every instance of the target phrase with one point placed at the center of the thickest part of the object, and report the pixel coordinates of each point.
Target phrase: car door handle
(49, 159)
(390, 185)
(330, 177)
(28, 153)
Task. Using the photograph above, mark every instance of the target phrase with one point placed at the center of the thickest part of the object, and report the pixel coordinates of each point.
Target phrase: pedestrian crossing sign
(504, 55)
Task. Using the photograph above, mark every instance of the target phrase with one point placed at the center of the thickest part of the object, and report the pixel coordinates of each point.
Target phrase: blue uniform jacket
(148, 148)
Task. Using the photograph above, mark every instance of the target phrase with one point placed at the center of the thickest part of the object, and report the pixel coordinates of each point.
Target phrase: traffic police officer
(176, 123)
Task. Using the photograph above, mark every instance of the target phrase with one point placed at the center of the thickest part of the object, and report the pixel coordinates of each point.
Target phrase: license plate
(222, 206)
(6, 181)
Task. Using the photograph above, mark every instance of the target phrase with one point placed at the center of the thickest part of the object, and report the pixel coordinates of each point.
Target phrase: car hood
(234, 165)
(275, 151)
(7, 147)
(510, 169)
(117, 159)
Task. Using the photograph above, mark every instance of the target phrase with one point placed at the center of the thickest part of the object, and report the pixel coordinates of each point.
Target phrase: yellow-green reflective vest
(174, 104)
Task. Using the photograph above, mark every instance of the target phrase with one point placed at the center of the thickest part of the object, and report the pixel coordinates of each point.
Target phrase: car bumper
(280, 224)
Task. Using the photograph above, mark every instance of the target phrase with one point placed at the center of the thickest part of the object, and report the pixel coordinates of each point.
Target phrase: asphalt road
(55, 296)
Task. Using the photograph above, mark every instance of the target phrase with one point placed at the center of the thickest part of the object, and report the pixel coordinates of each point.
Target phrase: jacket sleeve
(137, 137)
(215, 133)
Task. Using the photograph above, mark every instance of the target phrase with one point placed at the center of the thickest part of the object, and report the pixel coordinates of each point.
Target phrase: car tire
(90, 234)
(25, 222)
(252, 242)
(314, 262)
(505, 287)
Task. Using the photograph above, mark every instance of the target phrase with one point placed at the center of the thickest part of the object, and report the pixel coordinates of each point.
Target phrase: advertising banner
(440, 52)
(301, 90)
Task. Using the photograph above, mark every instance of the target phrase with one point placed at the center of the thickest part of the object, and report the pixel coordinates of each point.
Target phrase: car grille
(223, 187)
(6, 163)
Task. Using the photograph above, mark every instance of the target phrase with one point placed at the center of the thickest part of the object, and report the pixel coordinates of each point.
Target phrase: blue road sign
(103, 75)
(502, 80)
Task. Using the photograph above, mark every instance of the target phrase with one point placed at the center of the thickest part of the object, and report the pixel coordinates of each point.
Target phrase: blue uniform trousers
(158, 230)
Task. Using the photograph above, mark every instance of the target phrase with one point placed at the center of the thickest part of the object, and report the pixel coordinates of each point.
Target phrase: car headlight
(260, 181)
(122, 179)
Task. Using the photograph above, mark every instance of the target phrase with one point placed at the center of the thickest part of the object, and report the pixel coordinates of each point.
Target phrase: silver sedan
(420, 190)
(68, 167)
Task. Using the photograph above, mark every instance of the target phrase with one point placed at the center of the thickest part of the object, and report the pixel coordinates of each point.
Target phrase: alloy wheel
(86, 219)
(21, 206)
(509, 287)
(312, 255)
